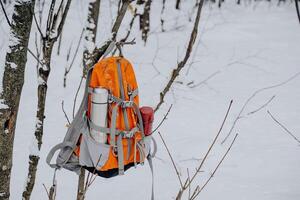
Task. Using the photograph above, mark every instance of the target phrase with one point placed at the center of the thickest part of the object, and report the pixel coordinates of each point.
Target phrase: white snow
(12, 65)
(4, 167)
(33, 148)
(2, 104)
(240, 49)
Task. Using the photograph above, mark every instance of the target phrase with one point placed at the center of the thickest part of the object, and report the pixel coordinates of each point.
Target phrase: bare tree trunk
(145, 21)
(89, 46)
(92, 58)
(51, 36)
(11, 88)
(90, 32)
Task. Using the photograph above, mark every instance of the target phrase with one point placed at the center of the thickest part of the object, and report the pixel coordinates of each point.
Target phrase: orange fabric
(105, 75)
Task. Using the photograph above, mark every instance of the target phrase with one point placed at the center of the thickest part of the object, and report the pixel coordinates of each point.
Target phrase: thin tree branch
(212, 175)
(211, 146)
(63, 19)
(76, 95)
(284, 128)
(35, 57)
(5, 14)
(261, 107)
(174, 165)
(37, 25)
(162, 121)
(252, 96)
(68, 69)
(181, 64)
(63, 109)
(297, 9)
(46, 190)
(49, 19)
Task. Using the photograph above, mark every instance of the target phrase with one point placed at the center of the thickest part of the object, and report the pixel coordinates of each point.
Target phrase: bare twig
(130, 24)
(174, 165)
(68, 69)
(211, 146)
(217, 167)
(252, 96)
(181, 64)
(46, 190)
(162, 121)
(37, 25)
(35, 57)
(76, 95)
(297, 9)
(63, 109)
(205, 80)
(64, 16)
(261, 107)
(284, 128)
(5, 14)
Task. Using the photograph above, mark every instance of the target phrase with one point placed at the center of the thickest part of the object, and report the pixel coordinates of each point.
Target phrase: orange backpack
(125, 139)
(126, 144)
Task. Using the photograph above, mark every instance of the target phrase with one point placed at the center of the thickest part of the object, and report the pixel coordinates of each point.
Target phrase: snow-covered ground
(240, 49)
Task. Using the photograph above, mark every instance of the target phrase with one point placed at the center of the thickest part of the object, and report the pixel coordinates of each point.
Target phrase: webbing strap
(138, 113)
(109, 49)
(101, 129)
(120, 155)
(154, 148)
(54, 149)
(133, 94)
(149, 158)
(125, 134)
(113, 125)
(122, 94)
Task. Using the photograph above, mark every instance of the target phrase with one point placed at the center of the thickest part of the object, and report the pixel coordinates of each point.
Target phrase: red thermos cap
(148, 118)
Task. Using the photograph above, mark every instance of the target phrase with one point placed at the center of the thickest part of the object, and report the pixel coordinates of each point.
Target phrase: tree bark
(11, 88)
(50, 37)
(81, 184)
(90, 32)
(145, 20)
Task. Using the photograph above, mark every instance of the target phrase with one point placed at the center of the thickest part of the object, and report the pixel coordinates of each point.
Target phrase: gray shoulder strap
(149, 158)
(53, 150)
(109, 49)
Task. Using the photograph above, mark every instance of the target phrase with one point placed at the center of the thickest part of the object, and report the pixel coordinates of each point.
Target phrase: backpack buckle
(127, 134)
(126, 104)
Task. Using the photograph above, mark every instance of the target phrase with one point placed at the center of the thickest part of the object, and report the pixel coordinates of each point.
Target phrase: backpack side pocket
(92, 153)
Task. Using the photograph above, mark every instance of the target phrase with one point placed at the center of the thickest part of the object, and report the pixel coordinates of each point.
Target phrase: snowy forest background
(245, 50)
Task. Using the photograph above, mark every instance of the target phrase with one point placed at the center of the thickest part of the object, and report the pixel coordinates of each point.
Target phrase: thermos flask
(148, 118)
(98, 115)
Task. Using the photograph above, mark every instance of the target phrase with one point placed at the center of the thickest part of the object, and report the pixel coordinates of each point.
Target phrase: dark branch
(297, 9)
(4, 11)
(181, 64)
